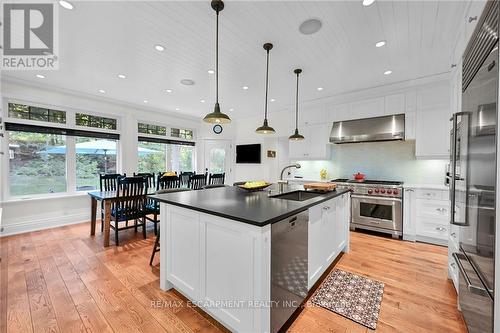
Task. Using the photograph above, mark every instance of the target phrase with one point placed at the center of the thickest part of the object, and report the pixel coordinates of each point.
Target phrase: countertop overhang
(256, 208)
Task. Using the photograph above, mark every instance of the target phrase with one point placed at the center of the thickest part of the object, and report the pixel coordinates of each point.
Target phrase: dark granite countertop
(256, 208)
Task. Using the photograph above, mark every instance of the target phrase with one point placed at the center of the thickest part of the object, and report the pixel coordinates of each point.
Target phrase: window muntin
(87, 120)
(37, 163)
(181, 133)
(151, 129)
(93, 157)
(23, 111)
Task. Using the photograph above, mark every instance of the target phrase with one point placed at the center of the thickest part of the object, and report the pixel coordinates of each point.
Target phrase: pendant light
(265, 128)
(296, 136)
(217, 116)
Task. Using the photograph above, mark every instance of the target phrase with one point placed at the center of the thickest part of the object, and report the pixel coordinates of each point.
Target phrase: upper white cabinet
(432, 122)
(314, 146)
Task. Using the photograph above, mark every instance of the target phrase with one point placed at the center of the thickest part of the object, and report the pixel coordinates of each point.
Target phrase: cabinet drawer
(430, 194)
(437, 209)
(432, 228)
(453, 272)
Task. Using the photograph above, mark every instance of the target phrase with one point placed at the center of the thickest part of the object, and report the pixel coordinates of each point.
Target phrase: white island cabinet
(224, 266)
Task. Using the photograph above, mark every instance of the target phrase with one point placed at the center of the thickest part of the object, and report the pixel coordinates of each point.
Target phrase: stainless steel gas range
(376, 205)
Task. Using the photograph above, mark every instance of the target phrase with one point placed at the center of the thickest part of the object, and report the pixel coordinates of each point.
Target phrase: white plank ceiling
(99, 40)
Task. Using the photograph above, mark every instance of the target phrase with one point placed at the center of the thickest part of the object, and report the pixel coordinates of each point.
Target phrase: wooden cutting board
(320, 186)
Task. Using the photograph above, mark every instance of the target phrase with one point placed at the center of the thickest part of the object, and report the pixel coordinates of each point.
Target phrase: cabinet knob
(472, 19)
(453, 265)
(453, 65)
(441, 229)
(326, 207)
(454, 234)
(441, 210)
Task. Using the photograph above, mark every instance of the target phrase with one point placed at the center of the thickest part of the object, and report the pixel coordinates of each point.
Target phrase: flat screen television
(248, 153)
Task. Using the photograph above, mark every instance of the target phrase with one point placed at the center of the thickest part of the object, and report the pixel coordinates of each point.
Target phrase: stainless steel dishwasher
(288, 267)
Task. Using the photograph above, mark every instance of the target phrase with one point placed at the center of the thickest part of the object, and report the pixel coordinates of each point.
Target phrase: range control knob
(395, 192)
(370, 191)
(389, 191)
(377, 190)
(382, 191)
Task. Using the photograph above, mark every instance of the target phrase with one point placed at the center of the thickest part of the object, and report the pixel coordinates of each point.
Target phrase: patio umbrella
(97, 147)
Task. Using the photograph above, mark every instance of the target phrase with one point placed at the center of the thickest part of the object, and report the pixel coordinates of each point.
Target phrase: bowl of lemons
(255, 185)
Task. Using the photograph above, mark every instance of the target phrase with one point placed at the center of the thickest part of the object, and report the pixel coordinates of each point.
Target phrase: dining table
(107, 197)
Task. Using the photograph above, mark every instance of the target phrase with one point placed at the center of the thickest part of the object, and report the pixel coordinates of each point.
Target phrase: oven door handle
(374, 198)
(478, 290)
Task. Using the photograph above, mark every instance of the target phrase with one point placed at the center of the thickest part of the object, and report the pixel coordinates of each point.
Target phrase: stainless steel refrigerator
(473, 164)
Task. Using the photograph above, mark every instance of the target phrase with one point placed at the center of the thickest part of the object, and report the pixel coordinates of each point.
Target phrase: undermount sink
(298, 195)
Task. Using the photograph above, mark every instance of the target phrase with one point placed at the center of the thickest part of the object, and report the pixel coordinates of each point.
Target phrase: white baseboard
(19, 227)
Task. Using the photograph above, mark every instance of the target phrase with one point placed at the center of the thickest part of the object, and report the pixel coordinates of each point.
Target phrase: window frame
(168, 139)
(70, 146)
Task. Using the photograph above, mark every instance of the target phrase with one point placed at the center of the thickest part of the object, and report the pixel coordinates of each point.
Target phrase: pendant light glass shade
(296, 136)
(265, 128)
(217, 117)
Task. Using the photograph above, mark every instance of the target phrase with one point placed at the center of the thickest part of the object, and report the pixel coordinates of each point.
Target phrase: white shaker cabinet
(328, 235)
(315, 146)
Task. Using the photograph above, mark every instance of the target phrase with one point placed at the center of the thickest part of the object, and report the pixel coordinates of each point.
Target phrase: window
(22, 111)
(160, 155)
(37, 163)
(45, 159)
(152, 157)
(151, 129)
(93, 157)
(181, 133)
(88, 120)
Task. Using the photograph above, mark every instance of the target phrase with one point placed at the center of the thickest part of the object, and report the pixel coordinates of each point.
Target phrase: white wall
(408, 168)
(34, 214)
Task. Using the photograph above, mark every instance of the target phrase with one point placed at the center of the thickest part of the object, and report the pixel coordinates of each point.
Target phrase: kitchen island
(250, 258)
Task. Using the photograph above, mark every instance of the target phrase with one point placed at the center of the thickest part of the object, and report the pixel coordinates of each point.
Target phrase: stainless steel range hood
(385, 128)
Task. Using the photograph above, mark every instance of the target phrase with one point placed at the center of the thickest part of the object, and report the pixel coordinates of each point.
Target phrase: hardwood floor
(62, 280)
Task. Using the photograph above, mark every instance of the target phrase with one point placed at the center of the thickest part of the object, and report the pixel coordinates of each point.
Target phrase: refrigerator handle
(478, 290)
(453, 166)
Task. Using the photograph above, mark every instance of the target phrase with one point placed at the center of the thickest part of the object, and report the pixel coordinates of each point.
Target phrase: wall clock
(217, 129)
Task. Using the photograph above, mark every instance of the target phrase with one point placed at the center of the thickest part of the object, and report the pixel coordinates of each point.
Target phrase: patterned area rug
(352, 296)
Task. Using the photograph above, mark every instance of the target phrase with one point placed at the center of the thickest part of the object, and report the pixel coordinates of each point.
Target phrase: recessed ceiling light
(272, 100)
(319, 88)
(309, 27)
(388, 72)
(40, 76)
(211, 71)
(65, 4)
(202, 101)
(102, 91)
(380, 43)
(244, 88)
(159, 47)
(122, 76)
(169, 91)
(368, 2)
(187, 82)
(231, 109)
(145, 101)
(177, 109)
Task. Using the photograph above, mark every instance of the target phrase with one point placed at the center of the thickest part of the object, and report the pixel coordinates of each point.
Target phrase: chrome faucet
(282, 182)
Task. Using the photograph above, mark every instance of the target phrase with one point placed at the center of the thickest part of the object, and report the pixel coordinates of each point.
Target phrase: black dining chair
(150, 178)
(184, 176)
(197, 182)
(216, 178)
(214, 186)
(153, 206)
(108, 182)
(156, 246)
(165, 182)
(130, 204)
